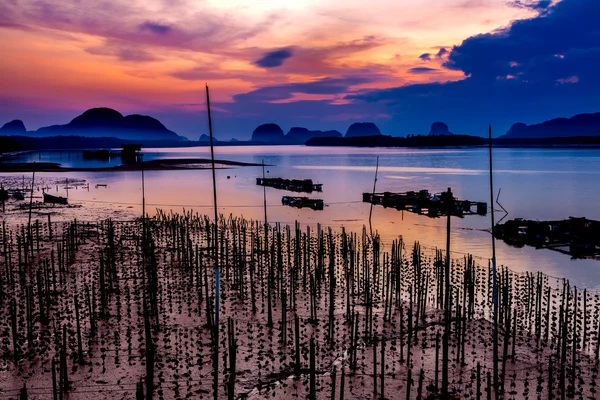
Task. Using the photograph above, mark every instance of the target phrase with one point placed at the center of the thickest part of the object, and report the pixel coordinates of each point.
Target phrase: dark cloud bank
(532, 70)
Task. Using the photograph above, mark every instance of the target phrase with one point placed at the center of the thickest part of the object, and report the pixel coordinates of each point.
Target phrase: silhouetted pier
(423, 202)
(294, 185)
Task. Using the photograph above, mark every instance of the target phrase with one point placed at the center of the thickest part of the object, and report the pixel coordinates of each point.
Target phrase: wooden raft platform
(294, 185)
(423, 202)
(578, 237)
(301, 202)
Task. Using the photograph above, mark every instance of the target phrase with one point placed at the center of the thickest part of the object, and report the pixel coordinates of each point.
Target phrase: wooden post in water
(494, 283)
(447, 313)
(216, 245)
(143, 190)
(312, 384)
(264, 193)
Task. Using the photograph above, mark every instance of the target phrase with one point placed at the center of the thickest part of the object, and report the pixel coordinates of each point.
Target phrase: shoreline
(153, 165)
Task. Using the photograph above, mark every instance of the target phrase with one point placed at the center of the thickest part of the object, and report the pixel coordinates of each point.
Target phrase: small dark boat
(19, 196)
(3, 195)
(48, 198)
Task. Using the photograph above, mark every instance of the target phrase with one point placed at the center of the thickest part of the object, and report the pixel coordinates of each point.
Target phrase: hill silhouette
(439, 129)
(268, 133)
(102, 122)
(14, 127)
(358, 129)
(576, 126)
(299, 135)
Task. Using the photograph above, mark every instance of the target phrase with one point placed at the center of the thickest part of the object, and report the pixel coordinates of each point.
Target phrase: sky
(319, 64)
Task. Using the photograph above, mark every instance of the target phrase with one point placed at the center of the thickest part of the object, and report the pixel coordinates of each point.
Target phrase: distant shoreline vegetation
(102, 128)
(455, 141)
(10, 144)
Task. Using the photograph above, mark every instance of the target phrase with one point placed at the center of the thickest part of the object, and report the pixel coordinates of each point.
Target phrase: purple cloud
(425, 57)
(124, 22)
(123, 51)
(274, 58)
(159, 29)
(421, 70)
(325, 86)
(441, 53)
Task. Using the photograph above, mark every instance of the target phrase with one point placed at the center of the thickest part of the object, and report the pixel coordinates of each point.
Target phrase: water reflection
(535, 184)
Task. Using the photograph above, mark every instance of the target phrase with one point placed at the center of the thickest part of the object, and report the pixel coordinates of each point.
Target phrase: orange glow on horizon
(87, 61)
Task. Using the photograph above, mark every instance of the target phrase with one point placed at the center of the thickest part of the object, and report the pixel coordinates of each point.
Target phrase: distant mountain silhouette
(14, 127)
(298, 135)
(106, 122)
(206, 138)
(577, 126)
(363, 129)
(268, 133)
(395, 141)
(439, 129)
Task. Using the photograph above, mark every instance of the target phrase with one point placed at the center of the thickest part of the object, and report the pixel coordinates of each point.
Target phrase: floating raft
(578, 237)
(423, 202)
(48, 198)
(301, 202)
(294, 185)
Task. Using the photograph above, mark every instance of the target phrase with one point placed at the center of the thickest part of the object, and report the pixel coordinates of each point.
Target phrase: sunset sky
(321, 64)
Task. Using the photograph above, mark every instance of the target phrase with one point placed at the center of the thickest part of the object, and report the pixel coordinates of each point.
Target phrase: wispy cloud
(422, 70)
(154, 27)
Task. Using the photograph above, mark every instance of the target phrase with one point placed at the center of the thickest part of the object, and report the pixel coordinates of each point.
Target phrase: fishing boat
(48, 198)
(3, 195)
(19, 195)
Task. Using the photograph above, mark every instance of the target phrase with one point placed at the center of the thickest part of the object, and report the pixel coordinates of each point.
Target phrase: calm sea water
(542, 184)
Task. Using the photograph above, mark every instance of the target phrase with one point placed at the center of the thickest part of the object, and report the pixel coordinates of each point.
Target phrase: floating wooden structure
(294, 185)
(578, 237)
(48, 198)
(423, 202)
(301, 202)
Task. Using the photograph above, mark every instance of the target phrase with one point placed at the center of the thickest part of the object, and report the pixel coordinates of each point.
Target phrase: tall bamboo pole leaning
(494, 283)
(374, 184)
(216, 245)
(264, 193)
(143, 190)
